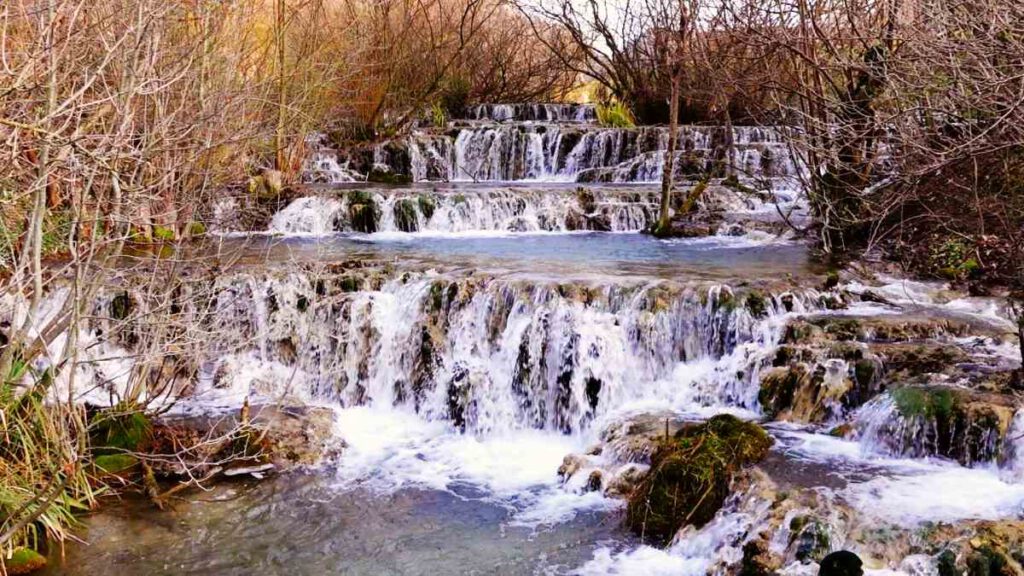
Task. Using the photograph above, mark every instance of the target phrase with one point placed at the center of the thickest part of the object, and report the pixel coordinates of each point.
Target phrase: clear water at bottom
(305, 525)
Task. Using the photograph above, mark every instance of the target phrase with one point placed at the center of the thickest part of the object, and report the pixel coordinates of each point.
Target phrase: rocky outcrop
(827, 366)
(953, 422)
(283, 436)
(691, 475)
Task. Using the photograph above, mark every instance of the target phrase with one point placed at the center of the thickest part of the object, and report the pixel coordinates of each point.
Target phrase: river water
(482, 332)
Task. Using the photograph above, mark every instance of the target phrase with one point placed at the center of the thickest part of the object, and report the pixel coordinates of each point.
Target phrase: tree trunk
(662, 229)
(280, 159)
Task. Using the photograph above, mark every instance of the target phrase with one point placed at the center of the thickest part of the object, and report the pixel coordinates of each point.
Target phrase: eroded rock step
(726, 205)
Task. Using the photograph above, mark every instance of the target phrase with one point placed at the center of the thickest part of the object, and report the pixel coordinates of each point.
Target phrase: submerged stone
(691, 475)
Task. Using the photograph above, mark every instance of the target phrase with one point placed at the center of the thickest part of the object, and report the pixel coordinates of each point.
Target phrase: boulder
(22, 561)
(691, 475)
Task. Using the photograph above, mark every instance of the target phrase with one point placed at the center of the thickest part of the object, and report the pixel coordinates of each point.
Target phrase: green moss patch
(691, 475)
(922, 402)
(23, 561)
(363, 212)
(406, 217)
(427, 206)
(115, 463)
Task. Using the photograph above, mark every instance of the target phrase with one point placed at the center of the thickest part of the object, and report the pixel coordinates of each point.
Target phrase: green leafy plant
(953, 259)
(615, 114)
(438, 115)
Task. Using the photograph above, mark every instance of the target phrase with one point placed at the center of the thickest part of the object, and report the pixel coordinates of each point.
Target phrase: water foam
(389, 449)
(907, 492)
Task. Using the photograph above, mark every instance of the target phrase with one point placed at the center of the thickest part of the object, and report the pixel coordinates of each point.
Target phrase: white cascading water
(445, 381)
(321, 166)
(555, 152)
(501, 210)
(530, 111)
(558, 142)
(494, 355)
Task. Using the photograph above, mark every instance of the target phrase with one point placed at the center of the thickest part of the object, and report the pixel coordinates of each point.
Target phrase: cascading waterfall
(490, 354)
(552, 152)
(557, 142)
(322, 165)
(508, 210)
(975, 439)
(532, 111)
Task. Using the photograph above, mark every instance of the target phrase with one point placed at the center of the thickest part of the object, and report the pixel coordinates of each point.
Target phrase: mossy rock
(951, 422)
(800, 332)
(756, 304)
(843, 328)
(119, 429)
(691, 475)
(363, 212)
(586, 199)
(360, 197)
(350, 283)
(23, 561)
(831, 280)
(758, 559)
(928, 403)
(385, 177)
(427, 206)
(406, 216)
(660, 298)
(779, 387)
(987, 561)
(945, 563)
(921, 359)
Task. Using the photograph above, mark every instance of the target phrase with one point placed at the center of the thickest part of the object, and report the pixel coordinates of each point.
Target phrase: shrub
(614, 114)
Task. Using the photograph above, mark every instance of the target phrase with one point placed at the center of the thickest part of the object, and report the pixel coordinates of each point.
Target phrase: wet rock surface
(286, 437)
(691, 475)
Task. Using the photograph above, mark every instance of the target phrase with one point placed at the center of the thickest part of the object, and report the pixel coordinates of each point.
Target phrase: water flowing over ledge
(476, 385)
(507, 209)
(559, 151)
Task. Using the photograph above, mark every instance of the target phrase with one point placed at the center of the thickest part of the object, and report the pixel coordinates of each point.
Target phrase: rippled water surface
(301, 525)
(562, 255)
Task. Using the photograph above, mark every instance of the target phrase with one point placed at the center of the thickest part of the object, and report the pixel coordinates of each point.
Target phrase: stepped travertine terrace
(555, 143)
(519, 346)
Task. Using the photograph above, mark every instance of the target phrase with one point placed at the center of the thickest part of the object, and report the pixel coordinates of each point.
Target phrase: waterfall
(552, 152)
(493, 354)
(557, 142)
(533, 112)
(510, 210)
(321, 166)
(938, 422)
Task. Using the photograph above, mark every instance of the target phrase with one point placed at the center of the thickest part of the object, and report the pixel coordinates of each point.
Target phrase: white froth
(389, 449)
